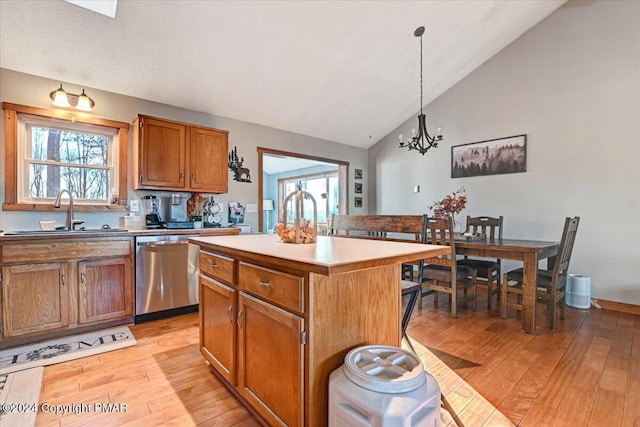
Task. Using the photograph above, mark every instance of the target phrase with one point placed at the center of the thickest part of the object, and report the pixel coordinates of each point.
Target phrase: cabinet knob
(264, 284)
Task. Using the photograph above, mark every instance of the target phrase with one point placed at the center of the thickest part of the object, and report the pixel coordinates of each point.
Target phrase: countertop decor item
(304, 230)
(421, 141)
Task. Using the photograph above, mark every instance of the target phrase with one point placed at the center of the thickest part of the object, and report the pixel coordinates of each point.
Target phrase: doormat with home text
(64, 349)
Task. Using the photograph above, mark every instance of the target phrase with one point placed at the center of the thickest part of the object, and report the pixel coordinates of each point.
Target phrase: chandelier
(421, 141)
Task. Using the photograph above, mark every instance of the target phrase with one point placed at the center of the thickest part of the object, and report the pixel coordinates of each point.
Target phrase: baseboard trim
(619, 306)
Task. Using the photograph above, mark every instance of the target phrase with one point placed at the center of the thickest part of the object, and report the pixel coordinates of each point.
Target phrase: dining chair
(550, 284)
(488, 271)
(442, 274)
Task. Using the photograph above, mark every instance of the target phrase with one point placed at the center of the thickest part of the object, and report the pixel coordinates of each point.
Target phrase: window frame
(12, 157)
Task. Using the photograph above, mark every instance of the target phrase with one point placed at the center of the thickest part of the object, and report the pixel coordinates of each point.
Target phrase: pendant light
(421, 141)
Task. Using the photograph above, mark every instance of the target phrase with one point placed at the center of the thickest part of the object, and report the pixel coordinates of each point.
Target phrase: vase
(457, 227)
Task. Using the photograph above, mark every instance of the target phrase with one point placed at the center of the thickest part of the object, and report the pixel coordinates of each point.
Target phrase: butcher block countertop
(329, 255)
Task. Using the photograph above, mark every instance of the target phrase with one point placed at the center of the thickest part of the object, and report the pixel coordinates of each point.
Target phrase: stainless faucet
(71, 222)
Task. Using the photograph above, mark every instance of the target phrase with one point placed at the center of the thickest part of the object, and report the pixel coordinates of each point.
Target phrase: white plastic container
(578, 291)
(383, 386)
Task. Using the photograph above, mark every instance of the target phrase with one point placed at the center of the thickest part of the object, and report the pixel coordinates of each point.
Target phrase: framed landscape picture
(491, 157)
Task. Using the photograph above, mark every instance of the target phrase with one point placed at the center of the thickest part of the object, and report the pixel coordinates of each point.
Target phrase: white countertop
(332, 254)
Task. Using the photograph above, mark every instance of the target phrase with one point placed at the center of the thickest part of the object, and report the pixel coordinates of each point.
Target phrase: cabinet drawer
(280, 288)
(218, 266)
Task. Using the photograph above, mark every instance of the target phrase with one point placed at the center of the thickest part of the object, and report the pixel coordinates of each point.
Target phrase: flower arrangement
(449, 206)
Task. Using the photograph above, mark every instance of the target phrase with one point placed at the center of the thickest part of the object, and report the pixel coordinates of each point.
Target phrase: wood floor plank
(590, 365)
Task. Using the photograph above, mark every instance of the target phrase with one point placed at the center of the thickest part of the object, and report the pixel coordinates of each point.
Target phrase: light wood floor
(585, 374)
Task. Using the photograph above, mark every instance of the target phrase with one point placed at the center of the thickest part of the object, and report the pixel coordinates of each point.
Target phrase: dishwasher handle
(163, 243)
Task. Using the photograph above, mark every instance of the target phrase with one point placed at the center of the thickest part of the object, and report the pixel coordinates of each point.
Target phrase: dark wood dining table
(527, 251)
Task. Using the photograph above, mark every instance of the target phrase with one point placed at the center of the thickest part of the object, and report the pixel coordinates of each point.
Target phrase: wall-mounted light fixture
(61, 98)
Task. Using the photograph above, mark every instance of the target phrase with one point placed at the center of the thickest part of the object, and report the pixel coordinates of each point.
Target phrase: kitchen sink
(61, 232)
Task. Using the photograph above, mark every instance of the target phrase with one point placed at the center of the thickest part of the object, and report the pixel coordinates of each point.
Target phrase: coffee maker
(152, 207)
(178, 212)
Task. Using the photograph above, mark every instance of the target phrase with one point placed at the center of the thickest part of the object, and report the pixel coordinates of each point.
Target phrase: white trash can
(383, 386)
(578, 291)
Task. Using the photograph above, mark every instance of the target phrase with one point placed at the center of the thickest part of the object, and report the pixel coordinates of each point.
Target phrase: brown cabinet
(169, 155)
(53, 287)
(271, 361)
(217, 326)
(252, 335)
(106, 289)
(34, 298)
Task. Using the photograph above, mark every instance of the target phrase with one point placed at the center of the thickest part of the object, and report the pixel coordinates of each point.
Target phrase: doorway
(278, 170)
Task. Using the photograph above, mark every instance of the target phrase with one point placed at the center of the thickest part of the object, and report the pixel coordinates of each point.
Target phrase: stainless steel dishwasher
(166, 276)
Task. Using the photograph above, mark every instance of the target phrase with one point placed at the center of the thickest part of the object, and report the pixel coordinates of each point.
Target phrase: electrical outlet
(134, 205)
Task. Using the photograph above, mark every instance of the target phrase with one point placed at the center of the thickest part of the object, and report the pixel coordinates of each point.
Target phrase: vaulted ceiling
(344, 71)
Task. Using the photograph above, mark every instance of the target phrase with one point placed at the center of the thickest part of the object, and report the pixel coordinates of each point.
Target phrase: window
(58, 154)
(50, 150)
(324, 189)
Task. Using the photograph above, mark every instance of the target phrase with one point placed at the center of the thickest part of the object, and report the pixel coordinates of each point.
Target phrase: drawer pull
(229, 314)
(212, 265)
(239, 318)
(264, 284)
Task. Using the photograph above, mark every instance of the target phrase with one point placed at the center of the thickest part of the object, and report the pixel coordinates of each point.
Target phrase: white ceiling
(344, 71)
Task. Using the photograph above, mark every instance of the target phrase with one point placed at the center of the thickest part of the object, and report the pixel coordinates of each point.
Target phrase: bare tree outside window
(75, 160)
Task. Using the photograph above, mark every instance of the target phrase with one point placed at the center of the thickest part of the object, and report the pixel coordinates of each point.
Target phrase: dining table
(530, 252)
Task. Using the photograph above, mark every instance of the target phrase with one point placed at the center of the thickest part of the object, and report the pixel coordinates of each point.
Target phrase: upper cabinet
(169, 155)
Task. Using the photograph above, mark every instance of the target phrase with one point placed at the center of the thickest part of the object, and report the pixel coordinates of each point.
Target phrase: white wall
(34, 91)
(572, 84)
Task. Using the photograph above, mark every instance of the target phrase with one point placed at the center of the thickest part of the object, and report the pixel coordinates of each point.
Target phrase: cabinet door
(208, 160)
(35, 298)
(271, 361)
(217, 326)
(162, 154)
(106, 289)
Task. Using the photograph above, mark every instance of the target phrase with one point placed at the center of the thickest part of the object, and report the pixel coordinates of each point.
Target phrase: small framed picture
(358, 202)
(358, 173)
(358, 188)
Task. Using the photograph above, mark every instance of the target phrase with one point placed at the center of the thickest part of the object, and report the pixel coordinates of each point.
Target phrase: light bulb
(400, 137)
(413, 132)
(84, 102)
(60, 98)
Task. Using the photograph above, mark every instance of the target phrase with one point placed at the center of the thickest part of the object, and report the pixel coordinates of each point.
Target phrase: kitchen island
(276, 318)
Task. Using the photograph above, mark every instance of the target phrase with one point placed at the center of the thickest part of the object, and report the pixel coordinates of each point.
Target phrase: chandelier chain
(420, 74)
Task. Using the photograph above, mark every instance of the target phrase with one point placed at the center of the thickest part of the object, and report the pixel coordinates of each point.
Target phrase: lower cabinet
(106, 289)
(271, 360)
(251, 339)
(217, 326)
(34, 298)
(57, 289)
